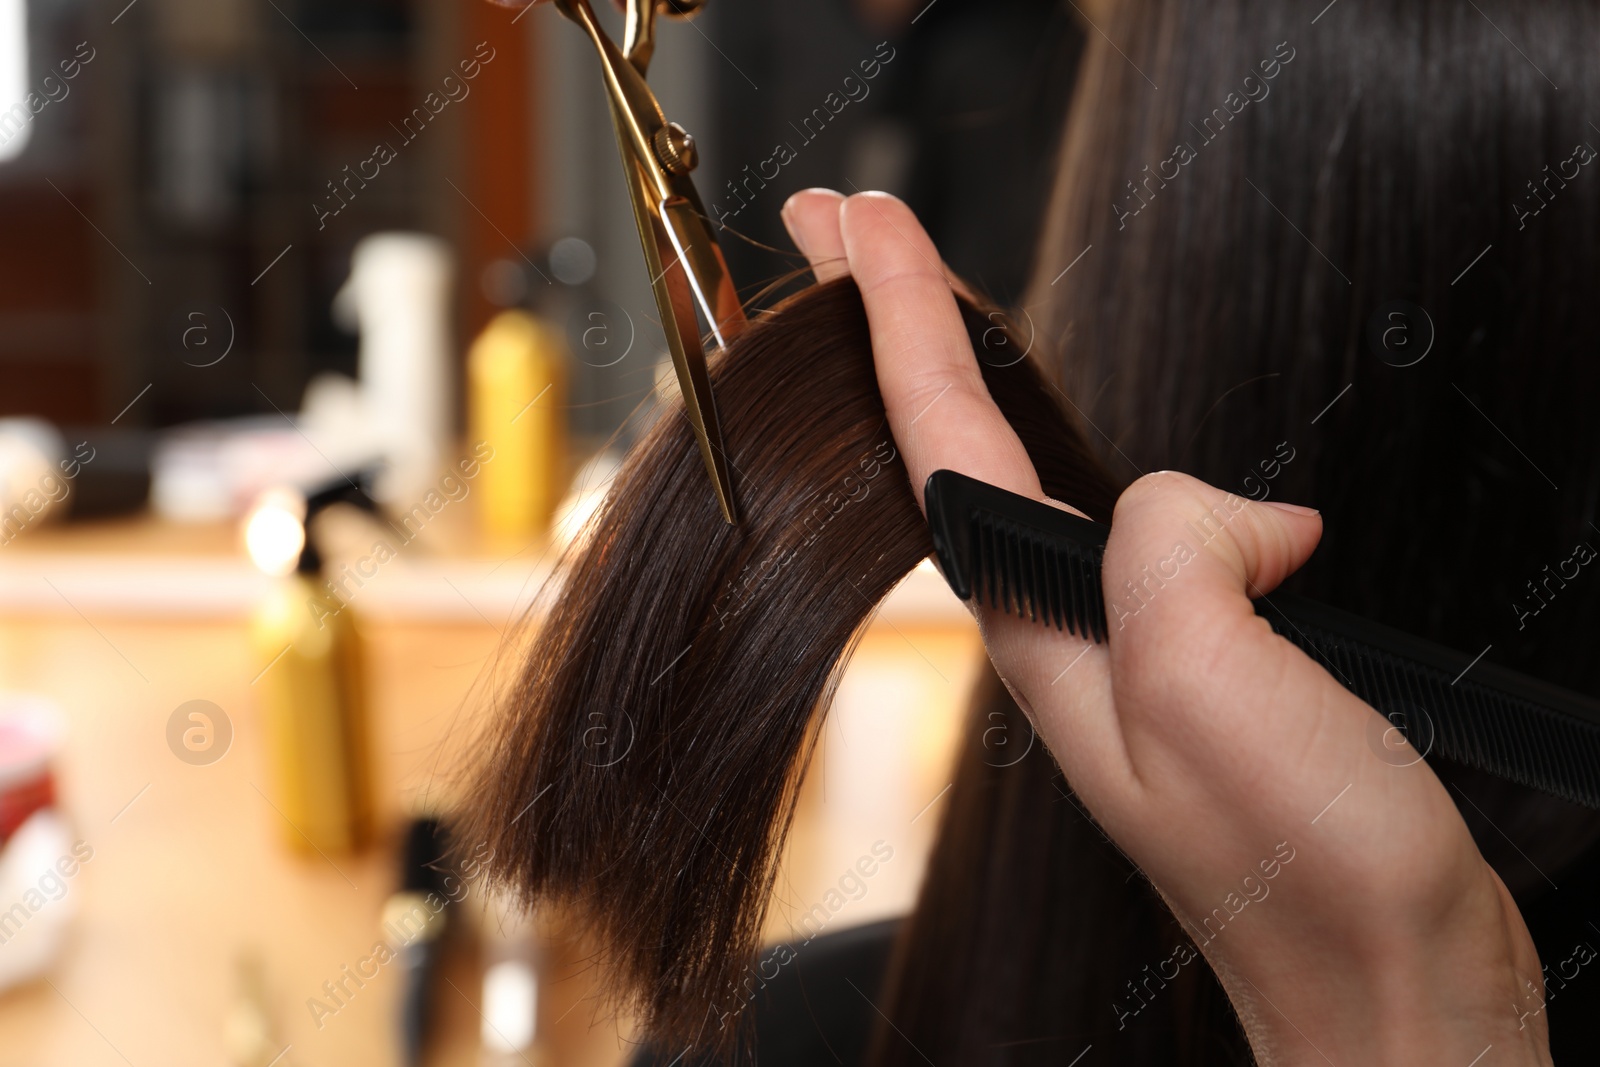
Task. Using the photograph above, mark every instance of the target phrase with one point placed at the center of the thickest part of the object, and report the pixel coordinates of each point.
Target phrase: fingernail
(788, 205)
(786, 214)
(1293, 509)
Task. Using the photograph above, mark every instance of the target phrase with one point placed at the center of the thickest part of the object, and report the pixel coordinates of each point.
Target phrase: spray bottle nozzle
(355, 491)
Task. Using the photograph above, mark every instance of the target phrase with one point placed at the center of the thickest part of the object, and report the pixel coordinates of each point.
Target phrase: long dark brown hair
(644, 770)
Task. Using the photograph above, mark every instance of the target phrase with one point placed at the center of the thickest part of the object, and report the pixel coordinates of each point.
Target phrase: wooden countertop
(149, 569)
(119, 624)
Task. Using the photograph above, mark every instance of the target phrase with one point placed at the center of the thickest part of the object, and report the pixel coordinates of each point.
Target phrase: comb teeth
(1041, 563)
(1018, 555)
(1025, 573)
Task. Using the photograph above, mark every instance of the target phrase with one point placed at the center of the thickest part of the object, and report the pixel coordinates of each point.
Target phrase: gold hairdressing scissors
(687, 271)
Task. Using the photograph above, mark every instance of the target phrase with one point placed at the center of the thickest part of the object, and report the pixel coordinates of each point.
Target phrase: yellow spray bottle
(517, 370)
(313, 697)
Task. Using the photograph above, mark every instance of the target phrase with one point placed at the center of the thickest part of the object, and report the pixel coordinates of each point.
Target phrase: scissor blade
(679, 290)
(715, 294)
(675, 302)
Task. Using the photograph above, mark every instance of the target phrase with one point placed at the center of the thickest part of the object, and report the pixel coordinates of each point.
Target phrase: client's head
(1369, 241)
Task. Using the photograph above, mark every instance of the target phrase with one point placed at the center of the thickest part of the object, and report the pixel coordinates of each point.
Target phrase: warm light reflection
(510, 1002)
(589, 488)
(274, 531)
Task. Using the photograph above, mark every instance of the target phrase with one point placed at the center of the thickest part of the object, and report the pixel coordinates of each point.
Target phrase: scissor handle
(639, 27)
(631, 98)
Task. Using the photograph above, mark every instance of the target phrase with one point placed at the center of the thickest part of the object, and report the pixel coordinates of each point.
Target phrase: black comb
(1038, 562)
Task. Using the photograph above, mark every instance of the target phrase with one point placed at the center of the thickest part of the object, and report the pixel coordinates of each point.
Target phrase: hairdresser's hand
(1339, 897)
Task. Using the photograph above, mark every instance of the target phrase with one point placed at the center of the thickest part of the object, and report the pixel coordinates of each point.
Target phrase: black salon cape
(815, 1012)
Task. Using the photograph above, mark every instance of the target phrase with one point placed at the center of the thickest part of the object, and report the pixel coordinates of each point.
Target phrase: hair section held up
(643, 774)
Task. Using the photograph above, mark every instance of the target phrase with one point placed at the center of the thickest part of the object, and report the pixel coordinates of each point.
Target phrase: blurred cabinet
(200, 189)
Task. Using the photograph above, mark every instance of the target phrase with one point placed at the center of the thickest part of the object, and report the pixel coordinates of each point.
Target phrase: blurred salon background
(322, 324)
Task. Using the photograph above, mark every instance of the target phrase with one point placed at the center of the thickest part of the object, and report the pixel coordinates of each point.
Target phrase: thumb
(1182, 564)
(1252, 545)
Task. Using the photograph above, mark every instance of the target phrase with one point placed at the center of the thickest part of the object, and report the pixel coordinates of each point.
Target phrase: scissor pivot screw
(675, 148)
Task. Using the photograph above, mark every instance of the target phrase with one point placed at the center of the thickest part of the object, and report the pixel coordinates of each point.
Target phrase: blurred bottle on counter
(509, 1036)
(313, 695)
(517, 396)
(47, 471)
(398, 298)
(39, 859)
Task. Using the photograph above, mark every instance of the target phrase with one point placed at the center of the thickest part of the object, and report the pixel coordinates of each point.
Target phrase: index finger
(941, 416)
(940, 412)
